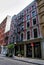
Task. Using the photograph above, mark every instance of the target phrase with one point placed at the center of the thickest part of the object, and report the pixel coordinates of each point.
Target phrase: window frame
(23, 36)
(33, 15)
(33, 6)
(26, 35)
(32, 21)
(26, 24)
(27, 17)
(33, 32)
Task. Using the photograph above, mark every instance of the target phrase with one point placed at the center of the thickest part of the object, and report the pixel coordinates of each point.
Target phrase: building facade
(4, 34)
(25, 32)
(2, 29)
(12, 31)
(40, 5)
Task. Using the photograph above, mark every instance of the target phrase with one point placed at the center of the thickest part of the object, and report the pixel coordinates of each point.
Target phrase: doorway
(28, 50)
(37, 50)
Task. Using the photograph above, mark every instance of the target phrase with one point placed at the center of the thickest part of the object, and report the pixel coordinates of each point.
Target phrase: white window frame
(26, 23)
(26, 17)
(26, 35)
(32, 21)
(33, 7)
(23, 36)
(33, 32)
(31, 13)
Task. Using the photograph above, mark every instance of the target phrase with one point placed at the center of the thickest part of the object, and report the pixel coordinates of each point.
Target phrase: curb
(28, 62)
(25, 61)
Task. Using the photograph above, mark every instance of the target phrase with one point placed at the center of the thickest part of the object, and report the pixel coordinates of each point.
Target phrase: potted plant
(22, 52)
(18, 53)
(10, 50)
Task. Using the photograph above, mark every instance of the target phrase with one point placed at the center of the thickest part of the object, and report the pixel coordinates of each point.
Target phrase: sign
(32, 44)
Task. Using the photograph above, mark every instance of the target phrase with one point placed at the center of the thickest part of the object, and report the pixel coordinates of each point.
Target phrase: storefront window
(37, 50)
(29, 50)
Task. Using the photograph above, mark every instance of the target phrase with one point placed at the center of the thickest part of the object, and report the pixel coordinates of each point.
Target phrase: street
(8, 61)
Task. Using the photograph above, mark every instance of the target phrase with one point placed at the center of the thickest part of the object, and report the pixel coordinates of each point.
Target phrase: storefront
(30, 50)
(33, 50)
(19, 49)
(37, 50)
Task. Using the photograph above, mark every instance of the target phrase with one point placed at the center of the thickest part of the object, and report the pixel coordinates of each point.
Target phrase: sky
(12, 7)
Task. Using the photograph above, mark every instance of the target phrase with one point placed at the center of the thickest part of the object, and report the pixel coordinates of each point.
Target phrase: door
(37, 50)
(28, 50)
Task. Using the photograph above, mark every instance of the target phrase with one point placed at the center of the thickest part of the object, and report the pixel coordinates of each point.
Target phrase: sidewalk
(29, 60)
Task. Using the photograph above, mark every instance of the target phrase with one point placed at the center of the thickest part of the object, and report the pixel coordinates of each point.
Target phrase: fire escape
(19, 27)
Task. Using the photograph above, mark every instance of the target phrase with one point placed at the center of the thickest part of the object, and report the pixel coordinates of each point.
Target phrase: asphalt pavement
(9, 61)
(19, 61)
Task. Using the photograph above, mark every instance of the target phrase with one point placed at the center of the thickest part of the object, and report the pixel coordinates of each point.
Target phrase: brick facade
(2, 30)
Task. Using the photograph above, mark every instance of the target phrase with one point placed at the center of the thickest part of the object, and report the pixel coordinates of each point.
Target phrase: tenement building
(4, 32)
(2, 29)
(25, 32)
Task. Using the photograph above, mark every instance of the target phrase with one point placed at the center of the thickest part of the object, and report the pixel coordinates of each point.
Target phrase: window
(21, 27)
(28, 35)
(34, 21)
(27, 10)
(22, 37)
(33, 13)
(27, 24)
(13, 39)
(33, 7)
(28, 17)
(35, 33)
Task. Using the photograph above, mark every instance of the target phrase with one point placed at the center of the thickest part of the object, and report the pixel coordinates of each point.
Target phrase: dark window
(34, 21)
(33, 7)
(33, 13)
(35, 33)
(21, 27)
(27, 24)
(22, 37)
(13, 39)
(28, 17)
(27, 10)
(28, 35)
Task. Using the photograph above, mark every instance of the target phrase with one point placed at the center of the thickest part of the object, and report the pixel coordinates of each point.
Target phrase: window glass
(28, 35)
(27, 11)
(35, 33)
(28, 17)
(22, 37)
(33, 7)
(28, 24)
(33, 13)
(34, 21)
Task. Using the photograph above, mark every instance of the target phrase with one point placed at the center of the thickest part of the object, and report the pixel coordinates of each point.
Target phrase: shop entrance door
(37, 50)
(28, 50)
(22, 50)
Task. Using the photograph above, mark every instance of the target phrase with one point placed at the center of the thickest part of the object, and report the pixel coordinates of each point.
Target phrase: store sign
(32, 44)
